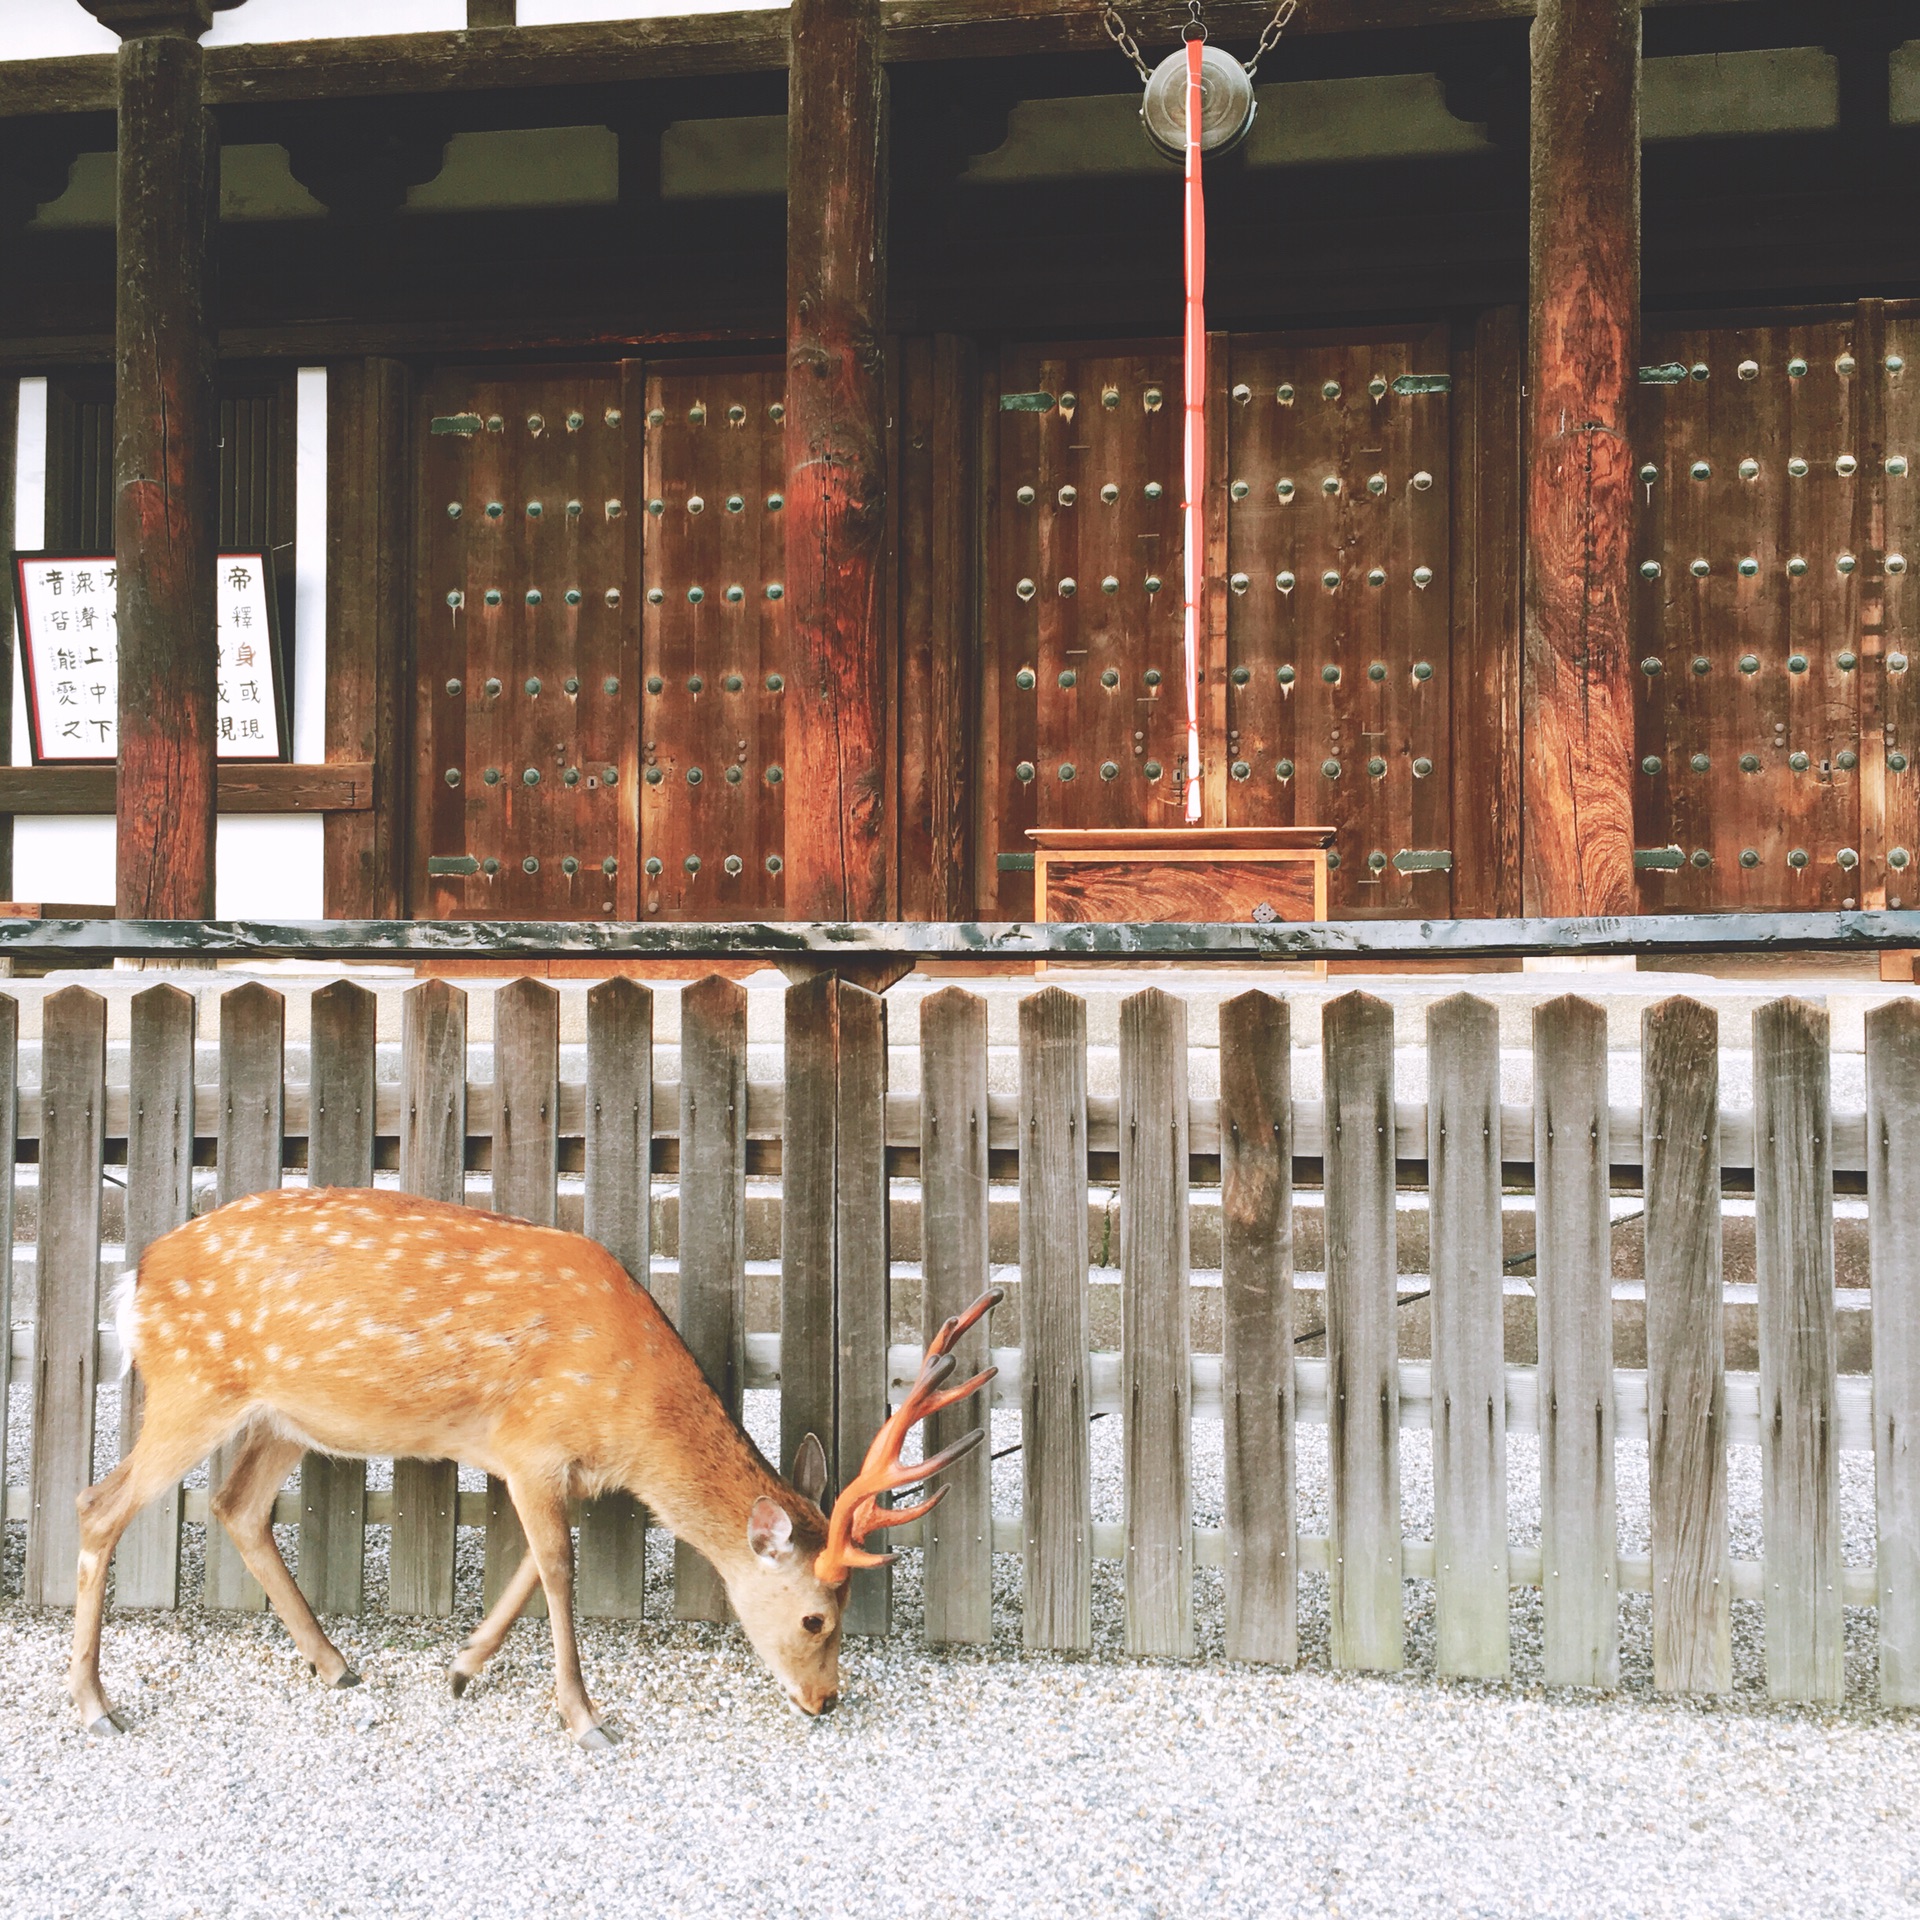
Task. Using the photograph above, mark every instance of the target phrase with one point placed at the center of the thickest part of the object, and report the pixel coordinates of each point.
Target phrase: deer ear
(769, 1529)
(809, 1474)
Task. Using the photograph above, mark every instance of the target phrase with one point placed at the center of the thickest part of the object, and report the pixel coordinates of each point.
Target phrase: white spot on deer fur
(216, 1340)
(273, 1354)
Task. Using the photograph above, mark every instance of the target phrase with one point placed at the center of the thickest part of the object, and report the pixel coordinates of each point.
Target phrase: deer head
(792, 1591)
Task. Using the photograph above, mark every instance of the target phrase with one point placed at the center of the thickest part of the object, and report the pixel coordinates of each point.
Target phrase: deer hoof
(596, 1740)
(106, 1727)
(460, 1682)
(348, 1678)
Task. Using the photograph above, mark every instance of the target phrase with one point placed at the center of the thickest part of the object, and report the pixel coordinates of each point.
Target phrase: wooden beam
(836, 516)
(9, 443)
(166, 467)
(343, 788)
(600, 54)
(1583, 334)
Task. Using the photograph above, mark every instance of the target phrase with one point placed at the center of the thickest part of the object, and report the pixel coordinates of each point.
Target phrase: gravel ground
(949, 1782)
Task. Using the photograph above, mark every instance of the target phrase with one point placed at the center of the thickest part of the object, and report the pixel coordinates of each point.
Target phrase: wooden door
(527, 759)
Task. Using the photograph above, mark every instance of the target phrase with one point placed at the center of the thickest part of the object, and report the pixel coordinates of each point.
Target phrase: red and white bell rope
(1194, 527)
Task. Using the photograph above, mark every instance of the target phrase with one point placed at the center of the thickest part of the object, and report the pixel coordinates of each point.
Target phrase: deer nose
(828, 1701)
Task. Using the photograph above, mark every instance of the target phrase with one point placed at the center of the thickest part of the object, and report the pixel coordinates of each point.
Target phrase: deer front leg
(543, 1515)
(488, 1637)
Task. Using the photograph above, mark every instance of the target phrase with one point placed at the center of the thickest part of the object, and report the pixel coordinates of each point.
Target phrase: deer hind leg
(543, 1514)
(488, 1637)
(244, 1506)
(176, 1433)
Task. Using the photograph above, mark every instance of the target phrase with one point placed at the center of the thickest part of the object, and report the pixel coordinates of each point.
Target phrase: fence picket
(73, 1071)
(1363, 1376)
(1574, 1291)
(1055, 1334)
(333, 1491)
(1156, 1335)
(433, 1147)
(612, 1578)
(713, 1228)
(1256, 1205)
(1799, 1463)
(164, 1027)
(808, 1345)
(1686, 1350)
(1893, 1228)
(957, 1565)
(9, 1141)
(1469, 1341)
(253, 1036)
(862, 1269)
(526, 1185)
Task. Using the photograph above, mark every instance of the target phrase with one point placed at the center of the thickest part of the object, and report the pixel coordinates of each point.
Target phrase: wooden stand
(1180, 873)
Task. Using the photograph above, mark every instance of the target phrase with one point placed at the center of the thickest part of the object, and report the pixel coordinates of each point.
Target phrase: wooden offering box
(1180, 873)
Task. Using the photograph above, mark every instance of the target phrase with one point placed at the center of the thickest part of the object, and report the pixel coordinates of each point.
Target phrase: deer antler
(857, 1512)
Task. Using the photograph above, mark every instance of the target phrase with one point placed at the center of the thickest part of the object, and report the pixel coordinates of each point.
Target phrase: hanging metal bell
(1226, 103)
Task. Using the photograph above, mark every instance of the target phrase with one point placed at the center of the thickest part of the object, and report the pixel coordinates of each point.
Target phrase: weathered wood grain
(713, 1228)
(1578, 1536)
(166, 472)
(526, 1186)
(1143, 888)
(837, 513)
(242, 789)
(252, 1127)
(808, 1336)
(1363, 1377)
(1469, 1348)
(1686, 1349)
(612, 1574)
(1256, 1206)
(1893, 1231)
(9, 1116)
(433, 1130)
(862, 1297)
(164, 1024)
(1582, 335)
(957, 1561)
(73, 1067)
(1156, 1325)
(1793, 1259)
(1057, 1503)
(333, 1492)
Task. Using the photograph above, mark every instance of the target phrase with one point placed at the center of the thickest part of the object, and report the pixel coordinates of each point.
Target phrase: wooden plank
(837, 854)
(1575, 1307)
(370, 548)
(1363, 1378)
(160, 1122)
(1893, 1232)
(862, 1296)
(333, 1492)
(73, 1066)
(1257, 1394)
(1485, 750)
(526, 1186)
(166, 470)
(1057, 1502)
(242, 789)
(252, 1126)
(1793, 1260)
(9, 1115)
(1156, 1331)
(433, 1133)
(807, 1326)
(1686, 1349)
(1469, 1343)
(957, 1563)
(619, 1214)
(713, 1229)
(1584, 270)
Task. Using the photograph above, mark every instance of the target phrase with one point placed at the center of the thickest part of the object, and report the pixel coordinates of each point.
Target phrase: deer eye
(815, 1623)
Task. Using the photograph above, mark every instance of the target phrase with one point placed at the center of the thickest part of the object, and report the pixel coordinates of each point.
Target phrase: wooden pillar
(837, 837)
(9, 457)
(166, 461)
(1583, 337)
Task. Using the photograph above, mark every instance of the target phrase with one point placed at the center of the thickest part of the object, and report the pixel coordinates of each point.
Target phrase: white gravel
(949, 1782)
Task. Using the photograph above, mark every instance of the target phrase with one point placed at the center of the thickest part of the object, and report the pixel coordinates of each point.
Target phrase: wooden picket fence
(840, 1136)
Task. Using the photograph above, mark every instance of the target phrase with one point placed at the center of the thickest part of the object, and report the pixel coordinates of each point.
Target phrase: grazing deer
(355, 1322)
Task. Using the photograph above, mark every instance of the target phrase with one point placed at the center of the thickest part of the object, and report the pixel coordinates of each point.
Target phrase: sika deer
(357, 1322)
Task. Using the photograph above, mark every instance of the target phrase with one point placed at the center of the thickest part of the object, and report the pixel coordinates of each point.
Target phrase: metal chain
(1118, 33)
(1270, 34)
